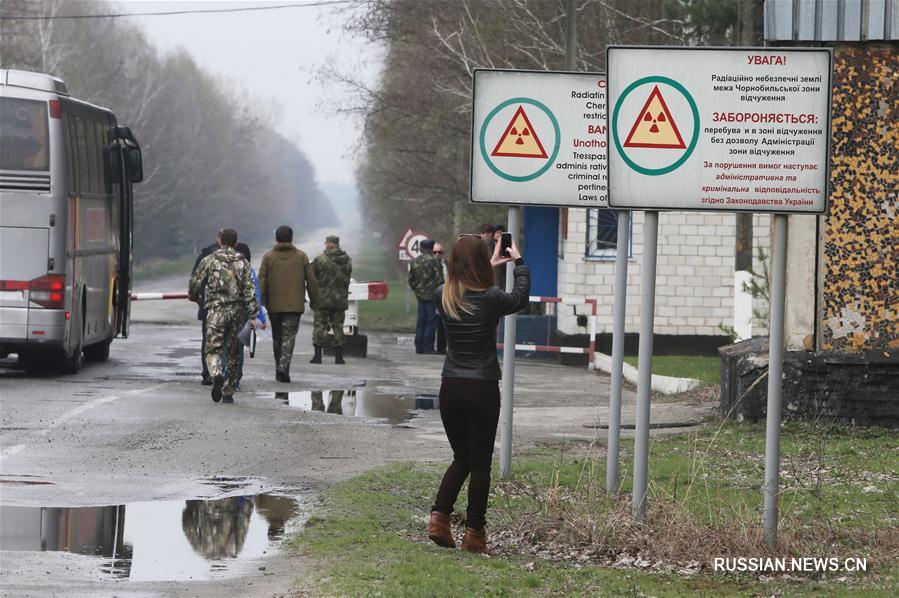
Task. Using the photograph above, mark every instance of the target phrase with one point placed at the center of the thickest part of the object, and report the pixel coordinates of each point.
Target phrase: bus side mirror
(134, 164)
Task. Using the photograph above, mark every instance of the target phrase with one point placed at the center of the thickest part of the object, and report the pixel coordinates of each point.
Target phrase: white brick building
(694, 275)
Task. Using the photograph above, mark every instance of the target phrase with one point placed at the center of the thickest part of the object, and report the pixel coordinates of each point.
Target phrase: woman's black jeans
(469, 409)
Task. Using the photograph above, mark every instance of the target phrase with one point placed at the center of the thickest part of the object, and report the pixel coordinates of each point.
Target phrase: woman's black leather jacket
(471, 340)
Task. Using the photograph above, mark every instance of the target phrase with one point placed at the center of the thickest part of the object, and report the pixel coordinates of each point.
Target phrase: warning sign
(519, 139)
(656, 127)
(727, 129)
(539, 138)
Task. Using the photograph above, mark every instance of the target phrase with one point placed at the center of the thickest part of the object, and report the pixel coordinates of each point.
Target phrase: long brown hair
(469, 269)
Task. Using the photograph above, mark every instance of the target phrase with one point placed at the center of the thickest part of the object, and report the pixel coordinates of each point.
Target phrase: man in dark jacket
(201, 311)
(285, 277)
(425, 275)
(332, 272)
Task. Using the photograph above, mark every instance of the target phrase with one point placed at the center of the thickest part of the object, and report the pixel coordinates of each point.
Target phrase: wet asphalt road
(140, 436)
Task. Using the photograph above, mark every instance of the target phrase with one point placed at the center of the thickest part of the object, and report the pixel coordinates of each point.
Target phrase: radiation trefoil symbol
(520, 140)
(654, 126)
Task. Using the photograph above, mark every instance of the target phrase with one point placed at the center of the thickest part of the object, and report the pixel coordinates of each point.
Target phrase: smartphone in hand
(505, 244)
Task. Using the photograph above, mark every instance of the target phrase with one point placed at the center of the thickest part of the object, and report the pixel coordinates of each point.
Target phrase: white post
(775, 377)
(505, 415)
(621, 256)
(644, 365)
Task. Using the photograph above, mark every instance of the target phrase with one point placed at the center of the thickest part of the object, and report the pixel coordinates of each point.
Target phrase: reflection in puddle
(358, 402)
(158, 541)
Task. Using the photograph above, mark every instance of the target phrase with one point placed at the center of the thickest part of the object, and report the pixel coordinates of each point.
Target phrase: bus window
(100, 145)
(90, 145)
(25, 142)
(84, 173)
(69, 151)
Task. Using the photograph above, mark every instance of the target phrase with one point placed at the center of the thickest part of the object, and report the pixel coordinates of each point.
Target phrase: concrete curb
(667, 385)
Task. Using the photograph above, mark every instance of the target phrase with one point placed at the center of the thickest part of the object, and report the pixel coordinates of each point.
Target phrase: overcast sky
(276, 55)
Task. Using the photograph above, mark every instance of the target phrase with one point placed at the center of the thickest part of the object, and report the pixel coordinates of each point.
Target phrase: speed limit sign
(409, 246)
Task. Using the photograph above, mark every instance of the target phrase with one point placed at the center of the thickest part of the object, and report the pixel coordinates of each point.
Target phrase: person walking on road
(261, 321)
(332, 272)
(285, 277)
(201, 311)
(470, 305)
(425, 275)
(229, 298)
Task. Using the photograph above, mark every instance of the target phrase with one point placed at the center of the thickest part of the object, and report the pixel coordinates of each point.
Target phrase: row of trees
(418, 117)
(211, 157)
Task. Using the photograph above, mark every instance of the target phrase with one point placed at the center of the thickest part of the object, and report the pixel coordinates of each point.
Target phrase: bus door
(126, 169)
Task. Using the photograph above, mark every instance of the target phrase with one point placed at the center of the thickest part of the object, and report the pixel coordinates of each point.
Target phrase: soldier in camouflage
(229, 298)
(425, 275)
(332, 271)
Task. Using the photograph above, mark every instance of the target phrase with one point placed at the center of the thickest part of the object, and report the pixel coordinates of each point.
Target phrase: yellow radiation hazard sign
(519, 139)
(654, 126)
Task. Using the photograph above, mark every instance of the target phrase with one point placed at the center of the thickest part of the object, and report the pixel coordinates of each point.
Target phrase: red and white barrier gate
(589, 350)
(375, 290)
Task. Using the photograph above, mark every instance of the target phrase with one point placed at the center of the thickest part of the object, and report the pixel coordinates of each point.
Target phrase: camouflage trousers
(284, 335)
(335, 401)
(328, 318)
(222, 327)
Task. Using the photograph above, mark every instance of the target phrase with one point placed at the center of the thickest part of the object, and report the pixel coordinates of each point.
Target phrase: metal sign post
(644, 363)
(775, 378)
(509, 334)
(612, 456)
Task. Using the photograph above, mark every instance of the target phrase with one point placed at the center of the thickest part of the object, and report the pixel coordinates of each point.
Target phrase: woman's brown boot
(475, 540)
(439, 530)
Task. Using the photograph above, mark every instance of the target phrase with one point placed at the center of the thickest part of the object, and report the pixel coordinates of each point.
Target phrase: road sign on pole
(729, 129)
(539, 138)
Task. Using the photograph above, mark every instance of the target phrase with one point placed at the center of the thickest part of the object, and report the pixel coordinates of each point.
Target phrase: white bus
(66, 175)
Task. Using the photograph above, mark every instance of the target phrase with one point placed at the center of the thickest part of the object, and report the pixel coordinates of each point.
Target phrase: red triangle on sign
(519, 140)
(654, 126)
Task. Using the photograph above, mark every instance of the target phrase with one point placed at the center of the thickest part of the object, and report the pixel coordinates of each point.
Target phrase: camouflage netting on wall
(860, 310)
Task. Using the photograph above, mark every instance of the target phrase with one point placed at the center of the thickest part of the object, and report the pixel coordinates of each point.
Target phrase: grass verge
(706, 369)
(556, 532)
(389, 314)
(160, 268)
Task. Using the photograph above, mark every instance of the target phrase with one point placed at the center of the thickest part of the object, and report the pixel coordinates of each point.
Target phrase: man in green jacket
(332, 271)
(285, 277)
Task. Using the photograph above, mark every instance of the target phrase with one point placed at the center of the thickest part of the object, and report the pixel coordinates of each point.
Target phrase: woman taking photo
(470, 305)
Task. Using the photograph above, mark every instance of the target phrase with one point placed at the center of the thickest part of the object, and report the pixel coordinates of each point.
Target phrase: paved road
(139, 437)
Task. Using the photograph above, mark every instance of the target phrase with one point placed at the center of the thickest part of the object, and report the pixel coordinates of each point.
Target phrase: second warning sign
(732, 129)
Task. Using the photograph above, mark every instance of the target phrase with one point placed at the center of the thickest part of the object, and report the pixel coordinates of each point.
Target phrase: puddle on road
(358, 402)
(160, 540)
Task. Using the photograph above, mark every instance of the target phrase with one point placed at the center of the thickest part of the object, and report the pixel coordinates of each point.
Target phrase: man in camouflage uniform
(229, 298)
(425, 275)
(332, 271)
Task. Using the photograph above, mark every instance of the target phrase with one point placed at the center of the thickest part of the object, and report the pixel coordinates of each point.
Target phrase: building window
(602, 234)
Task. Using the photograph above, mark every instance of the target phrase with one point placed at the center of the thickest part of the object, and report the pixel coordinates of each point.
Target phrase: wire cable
(172, 13)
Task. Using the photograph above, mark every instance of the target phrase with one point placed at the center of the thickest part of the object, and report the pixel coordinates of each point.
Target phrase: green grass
(371, 540)
(160, 268)
(706, 369)
(389, 314)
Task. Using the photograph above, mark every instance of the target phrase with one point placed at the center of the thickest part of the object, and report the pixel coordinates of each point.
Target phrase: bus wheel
(99, 352)
(73, 364)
